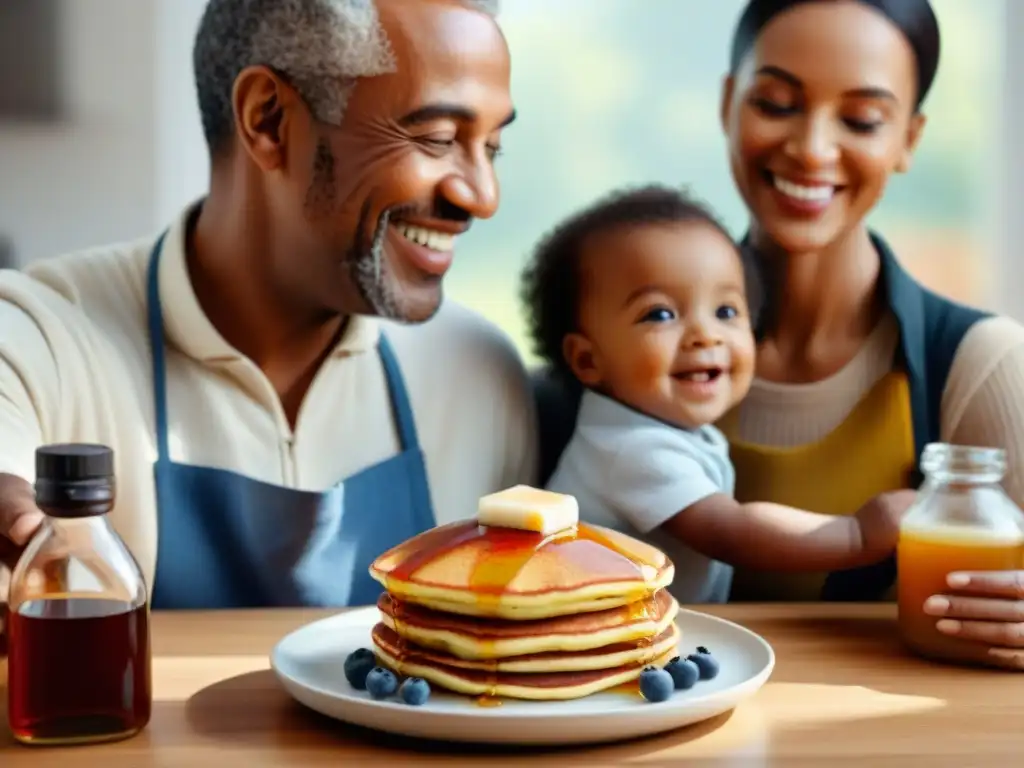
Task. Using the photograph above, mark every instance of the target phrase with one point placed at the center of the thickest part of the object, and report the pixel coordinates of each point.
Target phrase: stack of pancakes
(499, 612)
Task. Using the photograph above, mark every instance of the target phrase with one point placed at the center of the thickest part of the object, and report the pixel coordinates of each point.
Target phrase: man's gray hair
(320, 46)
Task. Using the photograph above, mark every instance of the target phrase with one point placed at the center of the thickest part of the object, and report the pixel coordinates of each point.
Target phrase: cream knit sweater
(983, 403)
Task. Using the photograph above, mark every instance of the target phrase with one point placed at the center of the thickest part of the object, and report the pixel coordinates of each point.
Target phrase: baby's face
(664, 324)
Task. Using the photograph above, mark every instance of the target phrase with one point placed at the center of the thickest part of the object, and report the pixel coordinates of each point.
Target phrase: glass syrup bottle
(79, 667)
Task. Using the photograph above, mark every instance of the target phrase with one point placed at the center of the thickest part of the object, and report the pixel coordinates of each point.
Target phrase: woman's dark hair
(551, 281)
(914, 18)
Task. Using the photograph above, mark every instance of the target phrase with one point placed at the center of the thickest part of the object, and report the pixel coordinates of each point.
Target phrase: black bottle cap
(73, 463)
(74, 480)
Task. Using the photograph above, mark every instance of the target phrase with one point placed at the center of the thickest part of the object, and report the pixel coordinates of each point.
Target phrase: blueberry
(415, 691)
(381, 682)
(357, 665)
(684, 673)
(706, 663)
(656, 684)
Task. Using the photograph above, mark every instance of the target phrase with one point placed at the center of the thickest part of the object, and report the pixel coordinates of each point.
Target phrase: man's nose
(474, 189)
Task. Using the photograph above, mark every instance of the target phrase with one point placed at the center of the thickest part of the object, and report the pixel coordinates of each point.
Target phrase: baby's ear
(579, 355)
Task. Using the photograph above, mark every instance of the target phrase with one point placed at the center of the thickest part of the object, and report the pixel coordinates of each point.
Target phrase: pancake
(473, 570)
(475, 638)
(544, 686)
(606, 657)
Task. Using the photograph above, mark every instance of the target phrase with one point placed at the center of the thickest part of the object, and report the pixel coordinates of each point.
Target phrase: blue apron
(230, 541)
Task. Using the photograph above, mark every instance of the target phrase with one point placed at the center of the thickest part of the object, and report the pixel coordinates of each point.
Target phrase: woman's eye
(862, 126)
(658, 315)
(727, 312)
(773, 108)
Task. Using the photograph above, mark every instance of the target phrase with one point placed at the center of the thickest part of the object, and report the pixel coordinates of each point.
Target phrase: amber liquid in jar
(926, 558)
(962, 521)
(80, 671)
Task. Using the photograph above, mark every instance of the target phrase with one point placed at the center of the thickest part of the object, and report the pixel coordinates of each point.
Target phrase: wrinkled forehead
(445, 50)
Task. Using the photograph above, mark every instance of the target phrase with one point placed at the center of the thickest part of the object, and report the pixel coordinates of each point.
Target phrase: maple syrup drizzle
(644, 610)
(431, 545)
(514, 548)
(503, 554)
(486, 700)
(490, 699)
(631, 688)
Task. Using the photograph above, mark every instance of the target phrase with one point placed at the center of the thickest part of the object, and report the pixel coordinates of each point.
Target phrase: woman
(856, 361)
(858, 366)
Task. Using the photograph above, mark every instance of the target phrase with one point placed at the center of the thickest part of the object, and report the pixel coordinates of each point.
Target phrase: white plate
(309, 663)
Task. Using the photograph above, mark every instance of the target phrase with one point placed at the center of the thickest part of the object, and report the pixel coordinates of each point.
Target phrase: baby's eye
(658, 315)
(727, 312)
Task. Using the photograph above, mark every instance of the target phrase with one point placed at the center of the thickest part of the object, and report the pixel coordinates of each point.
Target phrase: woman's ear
(725, 108)
(914, 132)
(580, 355)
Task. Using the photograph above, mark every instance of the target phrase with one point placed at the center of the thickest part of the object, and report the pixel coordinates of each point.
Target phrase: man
(286, 394)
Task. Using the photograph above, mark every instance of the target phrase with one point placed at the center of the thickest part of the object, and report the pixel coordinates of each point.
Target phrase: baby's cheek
(650, 365)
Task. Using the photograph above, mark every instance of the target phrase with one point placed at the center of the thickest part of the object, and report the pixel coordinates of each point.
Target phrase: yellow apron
(871, 452)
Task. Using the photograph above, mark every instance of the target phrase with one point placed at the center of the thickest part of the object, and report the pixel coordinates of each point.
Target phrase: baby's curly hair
(550, 282)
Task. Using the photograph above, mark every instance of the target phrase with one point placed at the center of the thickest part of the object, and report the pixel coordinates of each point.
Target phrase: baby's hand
(879, 522)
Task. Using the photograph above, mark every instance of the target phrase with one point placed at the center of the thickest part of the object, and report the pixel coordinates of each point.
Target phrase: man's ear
(262, 103)
(582, 359)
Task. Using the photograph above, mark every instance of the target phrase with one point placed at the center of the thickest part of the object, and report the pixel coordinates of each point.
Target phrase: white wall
(182, 168)
(130, 151)
(1008, 270)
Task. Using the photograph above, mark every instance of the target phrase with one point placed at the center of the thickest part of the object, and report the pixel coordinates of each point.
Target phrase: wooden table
(843, 693)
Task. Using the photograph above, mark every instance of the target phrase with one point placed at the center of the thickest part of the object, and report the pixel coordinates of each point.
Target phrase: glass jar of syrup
(962, 521)
(78, 616)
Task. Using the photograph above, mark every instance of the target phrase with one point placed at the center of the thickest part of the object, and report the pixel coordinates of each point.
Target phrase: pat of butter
(529, 509)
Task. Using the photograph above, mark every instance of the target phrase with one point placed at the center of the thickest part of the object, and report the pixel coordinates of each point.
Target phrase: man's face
(384, 196)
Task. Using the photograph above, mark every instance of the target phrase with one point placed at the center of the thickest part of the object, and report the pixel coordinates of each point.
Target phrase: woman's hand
(988, 608)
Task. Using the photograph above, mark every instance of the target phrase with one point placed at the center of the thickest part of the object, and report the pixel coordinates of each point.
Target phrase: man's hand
(879, 522)
(20, 518)
(987, 608)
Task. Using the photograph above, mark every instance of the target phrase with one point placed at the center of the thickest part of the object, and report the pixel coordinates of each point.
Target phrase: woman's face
(818, 116)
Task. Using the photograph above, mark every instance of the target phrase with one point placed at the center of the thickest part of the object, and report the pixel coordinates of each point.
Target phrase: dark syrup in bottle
(81, 672)
(78, 645)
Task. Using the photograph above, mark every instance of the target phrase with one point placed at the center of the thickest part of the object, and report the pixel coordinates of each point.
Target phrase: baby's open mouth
(699, 375)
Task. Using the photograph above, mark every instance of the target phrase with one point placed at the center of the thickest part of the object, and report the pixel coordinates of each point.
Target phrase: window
(618, 92)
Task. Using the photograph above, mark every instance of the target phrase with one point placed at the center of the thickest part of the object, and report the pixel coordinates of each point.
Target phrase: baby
(642, 299)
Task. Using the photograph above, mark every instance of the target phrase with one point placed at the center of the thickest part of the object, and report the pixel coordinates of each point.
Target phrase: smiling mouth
(699, 375)
(441, 242)
(817, 194)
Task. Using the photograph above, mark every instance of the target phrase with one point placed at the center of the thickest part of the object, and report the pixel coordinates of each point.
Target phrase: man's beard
(365, 260)
(372, 277)
(369, 269)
